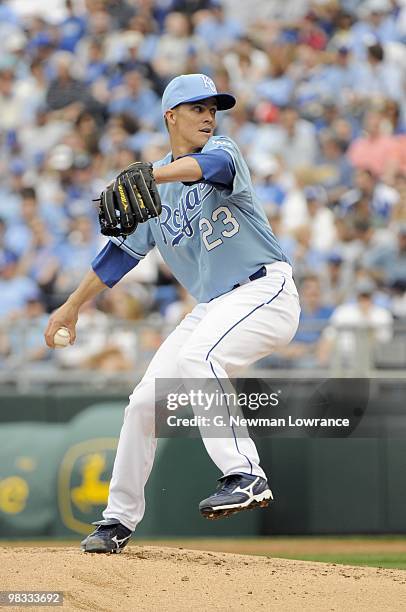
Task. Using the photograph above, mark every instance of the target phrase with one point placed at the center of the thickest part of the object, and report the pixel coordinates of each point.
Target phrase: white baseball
(62, 338)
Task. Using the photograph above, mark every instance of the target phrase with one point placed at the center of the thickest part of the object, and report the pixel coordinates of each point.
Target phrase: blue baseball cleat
(110, 536)
(235, 493)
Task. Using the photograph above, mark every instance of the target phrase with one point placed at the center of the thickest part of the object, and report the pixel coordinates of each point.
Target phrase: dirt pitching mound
(175, 579)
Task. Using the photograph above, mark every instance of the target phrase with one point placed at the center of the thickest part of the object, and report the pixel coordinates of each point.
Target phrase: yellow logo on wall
(93, 491)
(14, 492)
(83, 482)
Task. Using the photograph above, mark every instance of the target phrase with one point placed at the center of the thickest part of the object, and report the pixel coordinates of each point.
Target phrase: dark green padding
(29, 453)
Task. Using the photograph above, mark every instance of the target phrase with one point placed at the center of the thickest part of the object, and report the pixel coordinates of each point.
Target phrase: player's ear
(170, 118)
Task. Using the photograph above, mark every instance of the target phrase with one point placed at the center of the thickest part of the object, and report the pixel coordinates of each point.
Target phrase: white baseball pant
(216, 340)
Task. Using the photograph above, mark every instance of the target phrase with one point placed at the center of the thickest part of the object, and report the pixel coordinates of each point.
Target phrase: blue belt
(258, 274)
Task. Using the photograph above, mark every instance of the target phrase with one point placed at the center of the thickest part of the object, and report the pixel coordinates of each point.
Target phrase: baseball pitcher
(197, 205)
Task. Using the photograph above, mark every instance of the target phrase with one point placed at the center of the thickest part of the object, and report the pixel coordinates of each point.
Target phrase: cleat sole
(213, 514)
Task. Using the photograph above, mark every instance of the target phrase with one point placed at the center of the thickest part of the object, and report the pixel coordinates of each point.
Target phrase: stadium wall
(55, 468)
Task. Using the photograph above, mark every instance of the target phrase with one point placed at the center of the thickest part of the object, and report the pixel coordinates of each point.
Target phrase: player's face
(194, 123)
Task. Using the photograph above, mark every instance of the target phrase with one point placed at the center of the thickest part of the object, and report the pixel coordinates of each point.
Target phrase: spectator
(277, 85)
(269, 187)
(305, 256)
(81, 186)
(100, 26)
(80, 247)
(175, 45)
(247, 66)
(136, 99)
(40, 261)
(66, 90)
(25, 344)
(293, 139)
(11, 108)
(97, 66)
(321, 219)
(72, 29)
(30, 92)
(310, 33)
(377, 21)
(365, 240)
(217, 29)
(387, 263)
(376, 151)
(10, 190)
(132, 60)
(148, 28)
(240, 125)
(43, 39)
(303, 351)
(338, 170)
(341, 36)
(15, 289)
(377, 78)
(42, 135)
(370, 199)
(121, 12)
(394, 123)
(311, 78)
(89, 132)
(336, 280)
(18, 235)
(356, 329)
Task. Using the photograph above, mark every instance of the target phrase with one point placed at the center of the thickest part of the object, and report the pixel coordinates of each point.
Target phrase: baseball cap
(334, 258)
(365, 286)
(192, 88)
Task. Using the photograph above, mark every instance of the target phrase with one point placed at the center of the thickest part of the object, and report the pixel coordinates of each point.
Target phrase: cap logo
(208, 83)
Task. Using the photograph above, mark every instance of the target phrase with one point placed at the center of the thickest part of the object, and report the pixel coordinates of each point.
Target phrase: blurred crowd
(321, 118)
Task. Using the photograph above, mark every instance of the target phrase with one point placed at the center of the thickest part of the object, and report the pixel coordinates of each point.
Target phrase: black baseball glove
(130, 199)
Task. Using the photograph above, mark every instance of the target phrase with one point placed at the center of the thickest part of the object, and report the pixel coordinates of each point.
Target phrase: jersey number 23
(231, 226)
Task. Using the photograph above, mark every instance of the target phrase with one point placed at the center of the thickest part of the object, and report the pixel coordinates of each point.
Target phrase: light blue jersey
(210, 238)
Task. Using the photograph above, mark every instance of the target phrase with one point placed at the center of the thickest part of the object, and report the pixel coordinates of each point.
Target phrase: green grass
(389, 560)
